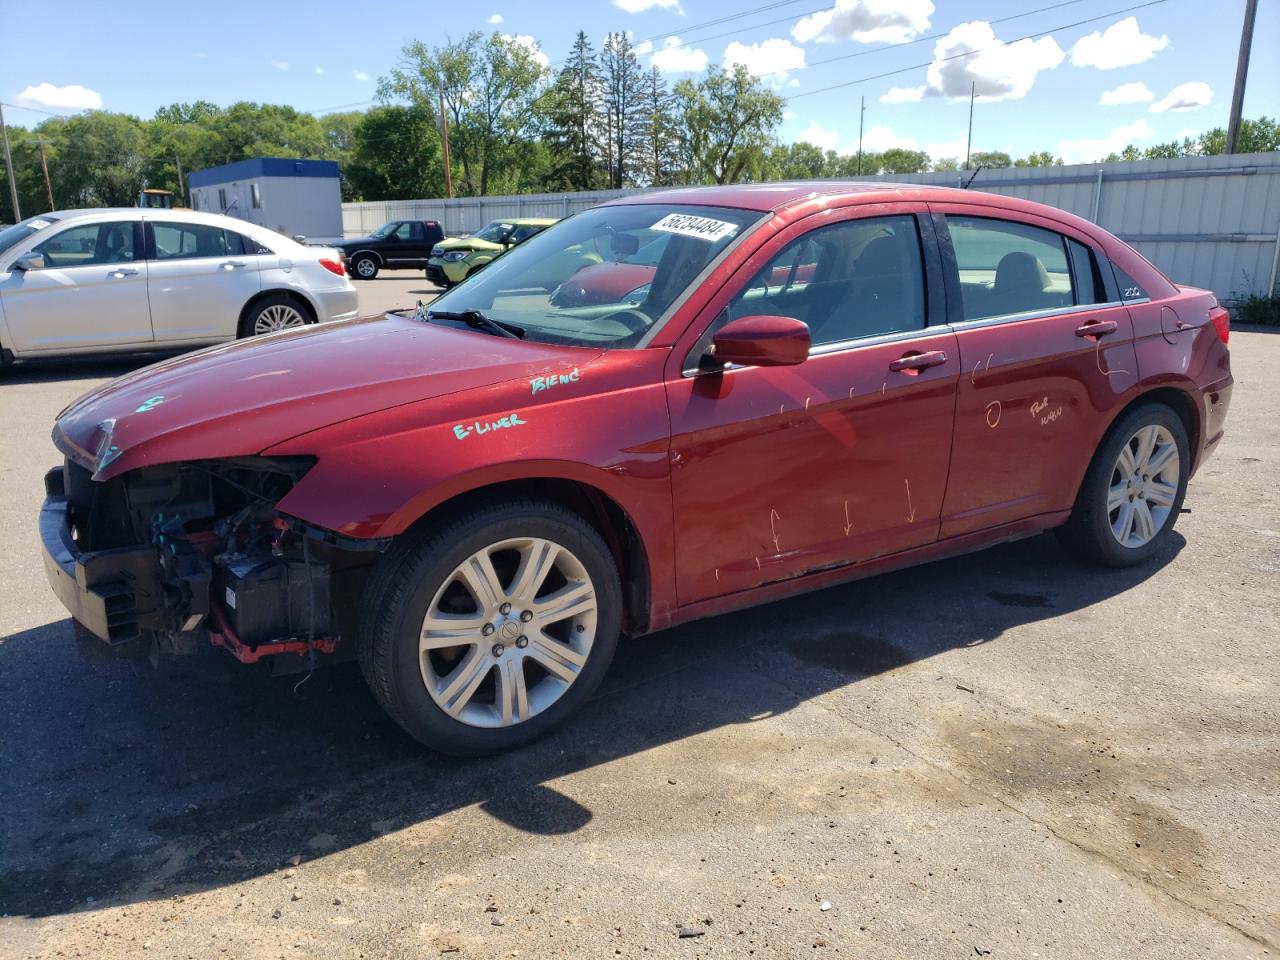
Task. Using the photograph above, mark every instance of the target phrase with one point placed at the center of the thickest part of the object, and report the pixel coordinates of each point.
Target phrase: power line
(970, 53)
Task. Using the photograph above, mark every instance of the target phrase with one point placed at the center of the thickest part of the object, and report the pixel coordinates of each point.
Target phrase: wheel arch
(367, 252)
(1180, 400)
(597, 508)
(296, 296)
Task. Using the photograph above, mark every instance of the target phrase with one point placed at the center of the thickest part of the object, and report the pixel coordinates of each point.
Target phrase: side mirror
(29, 261)
(762, 341)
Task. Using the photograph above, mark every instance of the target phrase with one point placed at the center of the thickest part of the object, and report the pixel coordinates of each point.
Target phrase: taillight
(333, 266)
(1221, 321)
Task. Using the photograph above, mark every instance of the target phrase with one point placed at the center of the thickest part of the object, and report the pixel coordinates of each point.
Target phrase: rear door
(1047, 355)
(780, 471)
(200, 278)
(92, 292)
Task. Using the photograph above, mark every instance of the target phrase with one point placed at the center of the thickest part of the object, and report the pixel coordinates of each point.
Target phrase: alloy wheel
(508, 632)
(278, 316)
(366, 268)
(1144, 486)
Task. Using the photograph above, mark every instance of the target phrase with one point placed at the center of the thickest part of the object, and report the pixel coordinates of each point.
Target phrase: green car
(453, 260)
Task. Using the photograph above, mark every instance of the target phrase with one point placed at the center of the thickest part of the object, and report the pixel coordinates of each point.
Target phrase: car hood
(240, 398)
(465, 243)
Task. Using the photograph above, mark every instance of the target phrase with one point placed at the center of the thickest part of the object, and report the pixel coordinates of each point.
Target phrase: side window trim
(936, 319)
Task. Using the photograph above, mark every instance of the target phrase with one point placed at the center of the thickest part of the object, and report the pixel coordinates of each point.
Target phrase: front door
(1046, 353)
(409, 247)
(91, 294)
(780, 471)
(201, 277)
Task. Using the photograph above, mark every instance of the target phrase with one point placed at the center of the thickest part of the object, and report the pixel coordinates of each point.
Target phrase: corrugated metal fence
(1208, 221)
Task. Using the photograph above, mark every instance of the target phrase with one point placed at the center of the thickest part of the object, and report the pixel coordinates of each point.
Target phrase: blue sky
(1143, 76)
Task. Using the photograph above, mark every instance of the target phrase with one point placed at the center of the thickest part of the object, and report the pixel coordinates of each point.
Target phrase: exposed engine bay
(180, 557)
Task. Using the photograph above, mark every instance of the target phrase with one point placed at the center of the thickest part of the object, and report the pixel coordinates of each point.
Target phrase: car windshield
(385, 229)
(679, 241)
(12, 236)
(496, 232)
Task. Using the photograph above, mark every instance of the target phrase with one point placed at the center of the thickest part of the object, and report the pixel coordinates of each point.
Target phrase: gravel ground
(1008, 755)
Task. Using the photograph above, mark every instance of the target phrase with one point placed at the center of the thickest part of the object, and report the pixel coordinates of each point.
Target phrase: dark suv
(398, 245)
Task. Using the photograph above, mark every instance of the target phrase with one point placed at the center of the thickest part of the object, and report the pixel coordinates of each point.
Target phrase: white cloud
(495, 19)
(359, 75)
(880, 138)
(280, 64)
(971, 54)
(1121, 45)
(640, 6)
(1185, 96)
(819, 136)
(867, 21)
(643, 48)
(769, 58)
(200, 55)
(526, 41)
(71, 97)
(788, 114)
(676, 57)
(1188, 133)
(903, 94)
(1126, 93)
(1087, 150)
(947, 149)
(319, 71)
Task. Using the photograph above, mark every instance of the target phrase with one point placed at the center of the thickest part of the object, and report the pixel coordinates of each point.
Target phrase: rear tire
(467, 655)
(273, 313)
(364, 267)
(1133, 490)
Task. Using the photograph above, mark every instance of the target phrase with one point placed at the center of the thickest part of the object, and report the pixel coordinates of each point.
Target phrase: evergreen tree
(657, 147)
(624, 116)
(572, 121)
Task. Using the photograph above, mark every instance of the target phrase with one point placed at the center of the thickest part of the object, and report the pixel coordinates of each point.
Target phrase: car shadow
(82, 368)
(120, 782)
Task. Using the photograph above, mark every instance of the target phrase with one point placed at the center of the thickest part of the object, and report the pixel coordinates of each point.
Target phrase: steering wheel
(634, 320)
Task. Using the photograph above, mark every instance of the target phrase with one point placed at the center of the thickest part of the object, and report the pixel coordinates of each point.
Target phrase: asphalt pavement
(1006, 755)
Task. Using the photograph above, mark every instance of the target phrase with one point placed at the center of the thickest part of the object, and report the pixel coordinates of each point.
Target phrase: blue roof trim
(263, 167)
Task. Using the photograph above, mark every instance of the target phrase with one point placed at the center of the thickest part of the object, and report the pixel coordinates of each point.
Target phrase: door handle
(120, 273)
(231, 265)
(915, 362)
(1097, 328)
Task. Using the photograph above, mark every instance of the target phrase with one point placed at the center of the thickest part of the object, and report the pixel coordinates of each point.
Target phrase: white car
(91, 281)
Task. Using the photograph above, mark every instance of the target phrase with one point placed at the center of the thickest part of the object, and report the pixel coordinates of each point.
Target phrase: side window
(222, 198)
(1007, 268)
(187, 241)
(417, 232)
(1085, 277)
(255, 196)
(236, 244)
(859, 278)
(524, 233)
(1130, 289)
(89, 245)
(403, 231)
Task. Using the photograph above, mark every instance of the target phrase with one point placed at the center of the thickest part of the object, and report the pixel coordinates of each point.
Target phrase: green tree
(945, 165)
(1041, 159)
(727, 123)
(571, 121)
(658, 147)
(798, 161)
(991, 159)
(491, 92)
(100, 159)
(622, 80)
(395, 155)
(898, 160)
(1256, 136)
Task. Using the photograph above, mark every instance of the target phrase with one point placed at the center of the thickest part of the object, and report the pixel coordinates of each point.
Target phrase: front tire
(484, 633)
(1133, 491)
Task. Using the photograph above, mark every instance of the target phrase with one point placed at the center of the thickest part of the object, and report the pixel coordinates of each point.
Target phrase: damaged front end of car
(178, 558)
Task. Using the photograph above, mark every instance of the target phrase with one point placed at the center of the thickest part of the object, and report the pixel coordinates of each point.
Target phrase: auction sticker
(704, 228)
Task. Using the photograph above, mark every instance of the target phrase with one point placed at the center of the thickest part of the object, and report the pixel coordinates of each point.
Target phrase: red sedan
(820, 382)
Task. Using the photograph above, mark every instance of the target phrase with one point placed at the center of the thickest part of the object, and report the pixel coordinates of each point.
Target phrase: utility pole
(44, 166)
(862, 115)
(444, 139)
(182, 184)
(1242, 72)
(8, 166)
(968, 145)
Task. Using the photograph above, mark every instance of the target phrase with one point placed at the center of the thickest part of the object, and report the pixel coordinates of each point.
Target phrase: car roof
(797, 198)
(180, 214)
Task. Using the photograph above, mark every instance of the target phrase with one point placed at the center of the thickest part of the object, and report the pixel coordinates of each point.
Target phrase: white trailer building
(295, 197)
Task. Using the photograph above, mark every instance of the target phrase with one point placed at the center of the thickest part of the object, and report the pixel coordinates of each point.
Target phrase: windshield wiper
(476, 319)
